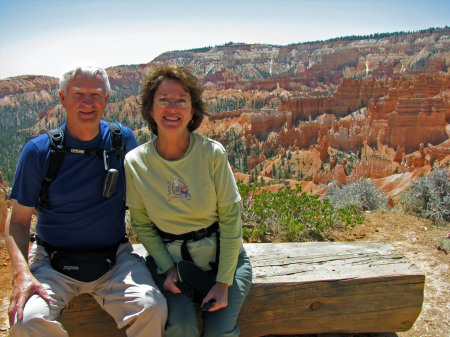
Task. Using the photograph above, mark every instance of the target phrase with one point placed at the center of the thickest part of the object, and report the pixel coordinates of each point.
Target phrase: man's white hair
(89, 71)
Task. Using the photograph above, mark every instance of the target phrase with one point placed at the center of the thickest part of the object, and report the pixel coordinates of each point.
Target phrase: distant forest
(375, 36)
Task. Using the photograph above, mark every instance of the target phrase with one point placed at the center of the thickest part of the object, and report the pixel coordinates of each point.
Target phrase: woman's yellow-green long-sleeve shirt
(185, 195)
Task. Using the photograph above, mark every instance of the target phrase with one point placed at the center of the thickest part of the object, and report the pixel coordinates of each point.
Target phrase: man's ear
(107, 98)
(61, 96)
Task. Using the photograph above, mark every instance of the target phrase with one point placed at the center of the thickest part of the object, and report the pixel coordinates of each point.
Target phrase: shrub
(361, 195)
(289, 214)
(429, 197)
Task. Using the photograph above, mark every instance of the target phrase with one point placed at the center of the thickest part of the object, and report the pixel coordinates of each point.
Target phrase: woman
(184, 205)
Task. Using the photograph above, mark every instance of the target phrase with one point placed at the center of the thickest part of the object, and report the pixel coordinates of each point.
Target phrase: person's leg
(182, 316)
(129, 294)
(223, 322)
(39, 316)
(39, 320)
(182, 319)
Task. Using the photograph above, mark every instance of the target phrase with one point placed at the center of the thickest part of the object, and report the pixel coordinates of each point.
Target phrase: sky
(45, 37)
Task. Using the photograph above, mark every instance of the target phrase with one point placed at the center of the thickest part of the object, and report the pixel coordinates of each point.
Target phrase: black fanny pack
(85, 266)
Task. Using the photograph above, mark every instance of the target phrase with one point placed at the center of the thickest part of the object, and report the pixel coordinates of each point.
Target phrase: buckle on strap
(200, 234)
(205, 232)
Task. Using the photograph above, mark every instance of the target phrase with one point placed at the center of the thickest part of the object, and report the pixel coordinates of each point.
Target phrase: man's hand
(171, 280)
(24, 286)
(17, 238)
(219, 293)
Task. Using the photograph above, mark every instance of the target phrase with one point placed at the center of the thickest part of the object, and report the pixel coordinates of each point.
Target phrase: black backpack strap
(58, 150)
(118, 148)
(56, 157)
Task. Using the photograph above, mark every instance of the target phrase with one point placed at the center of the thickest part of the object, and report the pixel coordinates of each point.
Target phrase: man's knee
(39, 317)
(151, 317)
(37, 327)
(155, 305)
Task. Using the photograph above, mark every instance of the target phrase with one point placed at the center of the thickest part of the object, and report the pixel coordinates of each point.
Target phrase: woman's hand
(218, 293)
(171, 280)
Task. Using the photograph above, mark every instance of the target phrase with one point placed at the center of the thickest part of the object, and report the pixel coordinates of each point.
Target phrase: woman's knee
(182, 328)
(220, 330)
(182, 320)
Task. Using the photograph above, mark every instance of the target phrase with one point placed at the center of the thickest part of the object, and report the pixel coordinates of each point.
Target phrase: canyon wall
(340, 109)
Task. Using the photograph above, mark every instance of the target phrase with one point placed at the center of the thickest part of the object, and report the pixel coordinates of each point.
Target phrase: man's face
(85, 101)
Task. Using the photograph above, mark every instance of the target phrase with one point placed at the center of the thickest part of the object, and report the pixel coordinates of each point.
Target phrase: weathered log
(305, 288)
(322, 287)
(85, 318)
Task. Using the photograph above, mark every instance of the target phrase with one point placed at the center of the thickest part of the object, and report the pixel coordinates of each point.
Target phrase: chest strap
(194, 236)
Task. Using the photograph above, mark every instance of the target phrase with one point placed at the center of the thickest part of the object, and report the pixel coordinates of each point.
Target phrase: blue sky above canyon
(43, 37)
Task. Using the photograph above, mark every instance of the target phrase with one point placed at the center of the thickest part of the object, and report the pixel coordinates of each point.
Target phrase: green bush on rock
(289, 214)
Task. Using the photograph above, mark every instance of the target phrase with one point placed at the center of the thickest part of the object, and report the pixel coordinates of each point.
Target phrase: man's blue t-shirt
(79, 216)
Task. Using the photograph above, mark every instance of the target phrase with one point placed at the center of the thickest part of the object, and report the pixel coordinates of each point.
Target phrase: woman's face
(172, 109)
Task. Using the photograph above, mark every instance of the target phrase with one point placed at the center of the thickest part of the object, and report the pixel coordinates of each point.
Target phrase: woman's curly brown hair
(153, 79)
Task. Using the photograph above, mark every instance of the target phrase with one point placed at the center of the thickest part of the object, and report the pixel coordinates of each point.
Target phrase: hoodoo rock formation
(359, 107)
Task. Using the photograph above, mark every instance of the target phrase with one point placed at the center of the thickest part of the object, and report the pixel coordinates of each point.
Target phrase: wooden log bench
(305, 288)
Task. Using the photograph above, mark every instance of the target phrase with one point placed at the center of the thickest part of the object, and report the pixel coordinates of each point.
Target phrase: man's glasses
(181, 103)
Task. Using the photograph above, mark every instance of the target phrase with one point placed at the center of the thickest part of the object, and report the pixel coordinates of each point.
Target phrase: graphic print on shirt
(177, 189)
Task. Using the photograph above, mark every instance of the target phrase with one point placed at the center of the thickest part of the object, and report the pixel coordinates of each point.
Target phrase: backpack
(58, 151)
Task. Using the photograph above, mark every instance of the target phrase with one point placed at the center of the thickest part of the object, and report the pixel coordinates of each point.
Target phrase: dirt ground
(418, 239)
(420, 242)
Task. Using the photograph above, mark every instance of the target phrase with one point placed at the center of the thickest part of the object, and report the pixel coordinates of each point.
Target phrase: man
(77, 221)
